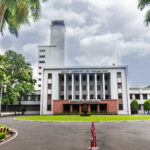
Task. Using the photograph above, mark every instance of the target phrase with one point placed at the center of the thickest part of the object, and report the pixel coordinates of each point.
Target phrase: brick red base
(112, 105)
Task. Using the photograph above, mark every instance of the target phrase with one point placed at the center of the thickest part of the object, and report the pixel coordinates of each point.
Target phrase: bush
(2, 136)
(134, 106)
(147, 105)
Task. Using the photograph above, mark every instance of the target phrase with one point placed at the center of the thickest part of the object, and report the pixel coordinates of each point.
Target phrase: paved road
(75, 136)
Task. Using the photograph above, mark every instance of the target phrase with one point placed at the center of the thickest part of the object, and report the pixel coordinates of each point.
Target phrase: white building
(63, 88)
(141, 95)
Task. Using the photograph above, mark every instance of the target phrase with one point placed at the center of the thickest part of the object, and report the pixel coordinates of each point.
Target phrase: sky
(95, 31)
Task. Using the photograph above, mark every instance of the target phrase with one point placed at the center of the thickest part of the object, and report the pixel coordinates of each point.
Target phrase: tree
(15, 13)
(134, 106)
(18, 78)
(147, 105)
(141, 5)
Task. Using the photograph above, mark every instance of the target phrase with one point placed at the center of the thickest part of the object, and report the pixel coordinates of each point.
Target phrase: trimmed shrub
(2, 136)
(134, 106)
(147, 105)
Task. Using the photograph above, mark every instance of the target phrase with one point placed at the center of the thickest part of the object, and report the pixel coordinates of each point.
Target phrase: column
(80, 108)
(95, 86)
(88, 87)
(65, 87)
(103, 80)
(72, 86)
(89, 108)
(80, 86)
(98, 108)
(71, 108)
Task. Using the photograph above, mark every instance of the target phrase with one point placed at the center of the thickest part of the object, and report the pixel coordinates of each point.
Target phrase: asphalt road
(133, 135)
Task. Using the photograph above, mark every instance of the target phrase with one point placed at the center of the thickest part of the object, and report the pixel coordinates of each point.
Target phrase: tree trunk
(2, 12)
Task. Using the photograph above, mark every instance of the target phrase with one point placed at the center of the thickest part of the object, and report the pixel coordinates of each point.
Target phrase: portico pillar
(89, 108)
(65, 87)
(88, 87)
(80, 108)
(72, 86)
(103, 80)
(80, 84)
(71, 108)
(95, 86)
(98, 108)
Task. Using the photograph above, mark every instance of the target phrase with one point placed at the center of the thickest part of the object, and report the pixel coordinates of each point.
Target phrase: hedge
(2, 136)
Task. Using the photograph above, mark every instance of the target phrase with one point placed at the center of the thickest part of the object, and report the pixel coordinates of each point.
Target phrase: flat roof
(85, 67)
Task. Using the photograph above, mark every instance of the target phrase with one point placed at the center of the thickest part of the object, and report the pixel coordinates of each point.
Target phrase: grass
(81, 118)
(1, 125)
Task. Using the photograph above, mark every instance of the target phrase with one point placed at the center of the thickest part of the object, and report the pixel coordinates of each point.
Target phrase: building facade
(63, 88)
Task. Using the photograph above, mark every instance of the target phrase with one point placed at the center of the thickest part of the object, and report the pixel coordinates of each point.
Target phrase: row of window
(84, 87)
(85, 97)
(84, 78)
(33, 98)
(137, 96)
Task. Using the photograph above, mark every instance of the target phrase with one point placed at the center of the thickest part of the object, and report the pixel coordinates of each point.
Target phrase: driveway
(134, 135)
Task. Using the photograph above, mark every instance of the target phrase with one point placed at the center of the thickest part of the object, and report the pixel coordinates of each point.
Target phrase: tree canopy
(147, 105)
(134, 106)
(15, 13)
(141, 5)
(18, 77)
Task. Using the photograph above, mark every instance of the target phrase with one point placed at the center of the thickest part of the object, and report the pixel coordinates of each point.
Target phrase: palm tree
(141, 5)
(15, 13)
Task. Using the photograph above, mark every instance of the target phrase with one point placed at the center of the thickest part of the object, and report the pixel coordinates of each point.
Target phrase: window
(32, 97)
(130, 96)
(70, 96)
(77, 78)
(91, 78)
(62, 78)
(118, 74)
(84, 87)
(119, 85)
(84, 96)
(26, 98)
(106, 87)
(99, 96)
(98, 87)
(98, 78)
(91, 97)
(106, 77)
(62, 97)
(144, 96)
(39, 97)
(107, 96)
(137, 96)
(39, 73)
(120, 106)
(41, 61)
(69, 87)
(42, 56)
(39, 85)
(84, 78)
(49, 97)
(119, 95)
(40, 67)
(77, 88)
(140, 107)
(91, 87)
(70, 78)
(42, 50)
(62, 88)
(77, 96)
(49, 76)
(39, 79)
(49, 107)
(49, 86)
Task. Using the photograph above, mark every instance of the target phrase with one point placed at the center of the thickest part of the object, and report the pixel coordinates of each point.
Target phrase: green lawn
(81, 118)
(1, 125)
